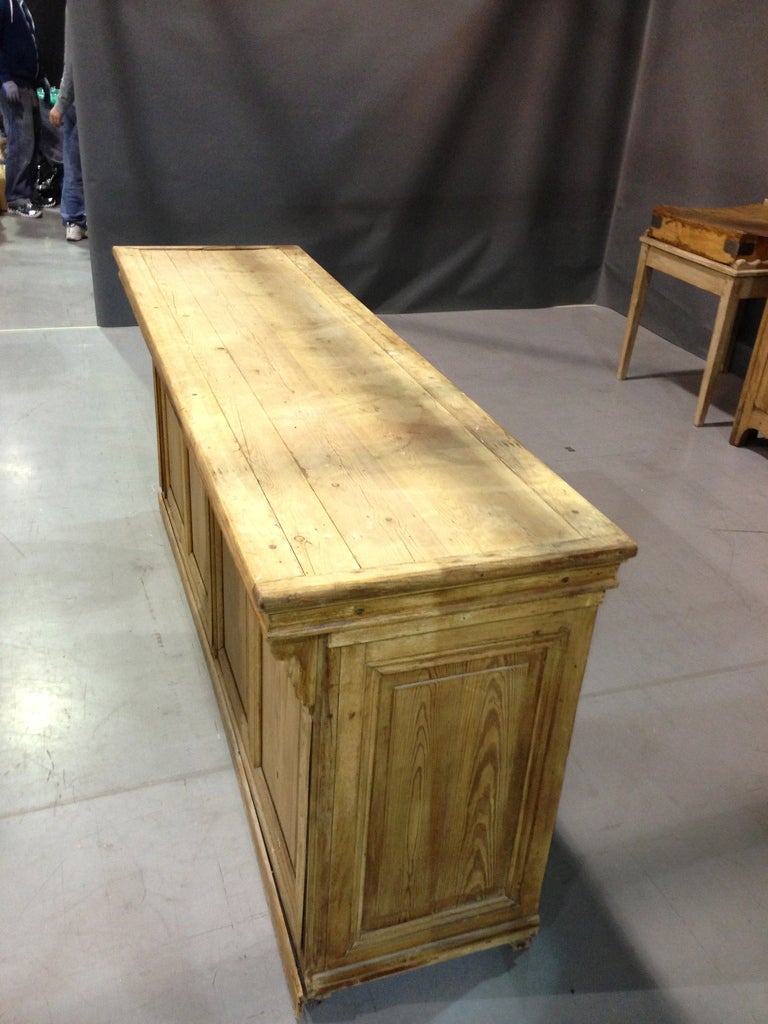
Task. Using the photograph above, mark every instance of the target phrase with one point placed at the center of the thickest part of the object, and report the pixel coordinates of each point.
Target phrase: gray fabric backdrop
(697, 136)
(443, 154)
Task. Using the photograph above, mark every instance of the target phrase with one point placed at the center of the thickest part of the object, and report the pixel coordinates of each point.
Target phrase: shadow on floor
(579, 963)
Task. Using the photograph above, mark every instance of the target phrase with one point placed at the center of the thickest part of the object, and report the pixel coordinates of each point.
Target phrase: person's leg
(50, 171)
(50, 138)
(20, 166)
(72, 196)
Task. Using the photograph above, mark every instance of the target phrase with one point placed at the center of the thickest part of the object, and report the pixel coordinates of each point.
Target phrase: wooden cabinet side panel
(447, 775)
(238, 653)
(199, 528)
(452, 749)
(273, 733)
(187, 509)
(281, 780)
(281, 755)
(175, 476)
(199, 536)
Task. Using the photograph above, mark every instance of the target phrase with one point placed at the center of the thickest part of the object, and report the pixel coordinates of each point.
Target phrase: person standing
(64, 114)
(20, 75)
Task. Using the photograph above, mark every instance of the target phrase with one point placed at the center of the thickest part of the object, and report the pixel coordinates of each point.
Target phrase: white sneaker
(75, 232)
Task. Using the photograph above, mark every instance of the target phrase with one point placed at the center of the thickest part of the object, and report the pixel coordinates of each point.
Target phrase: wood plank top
(751, 218)
(339, 461)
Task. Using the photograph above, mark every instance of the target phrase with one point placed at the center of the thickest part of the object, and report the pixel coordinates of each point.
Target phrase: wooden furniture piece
(752, 412)
(725, 234)
(732, 282)
(395, 600)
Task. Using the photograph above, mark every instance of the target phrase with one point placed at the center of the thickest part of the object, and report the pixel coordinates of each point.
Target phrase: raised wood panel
(450, 766)
(200, 527)
(281, 738)
(281, 778)
(199, 544)
(273, 733)
(440, 830)
(237, 653)
(174, 480)
(186, 505)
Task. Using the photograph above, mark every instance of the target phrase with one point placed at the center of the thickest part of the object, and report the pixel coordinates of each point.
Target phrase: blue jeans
(22, 126)
(72, 196)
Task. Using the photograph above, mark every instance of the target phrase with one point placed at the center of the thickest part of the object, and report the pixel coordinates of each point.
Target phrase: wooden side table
(752, 412)
(732, 282)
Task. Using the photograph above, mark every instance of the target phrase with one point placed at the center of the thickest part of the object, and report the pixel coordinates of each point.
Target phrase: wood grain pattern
(727, 234)
(451, 749)
(281, 737)
(350, 455)
(395, 601)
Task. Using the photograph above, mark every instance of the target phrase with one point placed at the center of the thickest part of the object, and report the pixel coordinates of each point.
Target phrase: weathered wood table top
(342, 463)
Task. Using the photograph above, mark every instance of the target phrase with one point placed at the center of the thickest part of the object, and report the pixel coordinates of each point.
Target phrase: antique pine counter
(395, 600)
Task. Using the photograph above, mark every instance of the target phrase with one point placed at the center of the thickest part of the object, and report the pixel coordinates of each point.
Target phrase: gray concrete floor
(129, 890)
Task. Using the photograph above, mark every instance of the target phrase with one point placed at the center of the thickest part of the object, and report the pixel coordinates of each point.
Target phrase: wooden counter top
(345, 462)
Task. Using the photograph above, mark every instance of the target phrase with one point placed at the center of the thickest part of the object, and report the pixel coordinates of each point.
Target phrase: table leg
(639, 290)
(718, 348)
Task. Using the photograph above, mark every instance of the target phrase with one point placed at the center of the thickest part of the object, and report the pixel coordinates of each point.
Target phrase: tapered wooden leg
(751, 416)
(639, 290)
(718, 349)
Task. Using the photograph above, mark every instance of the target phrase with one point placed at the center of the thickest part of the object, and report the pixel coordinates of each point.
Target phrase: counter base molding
(395, 600)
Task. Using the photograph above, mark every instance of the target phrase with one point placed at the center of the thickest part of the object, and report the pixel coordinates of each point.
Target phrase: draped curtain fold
(450, 154)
